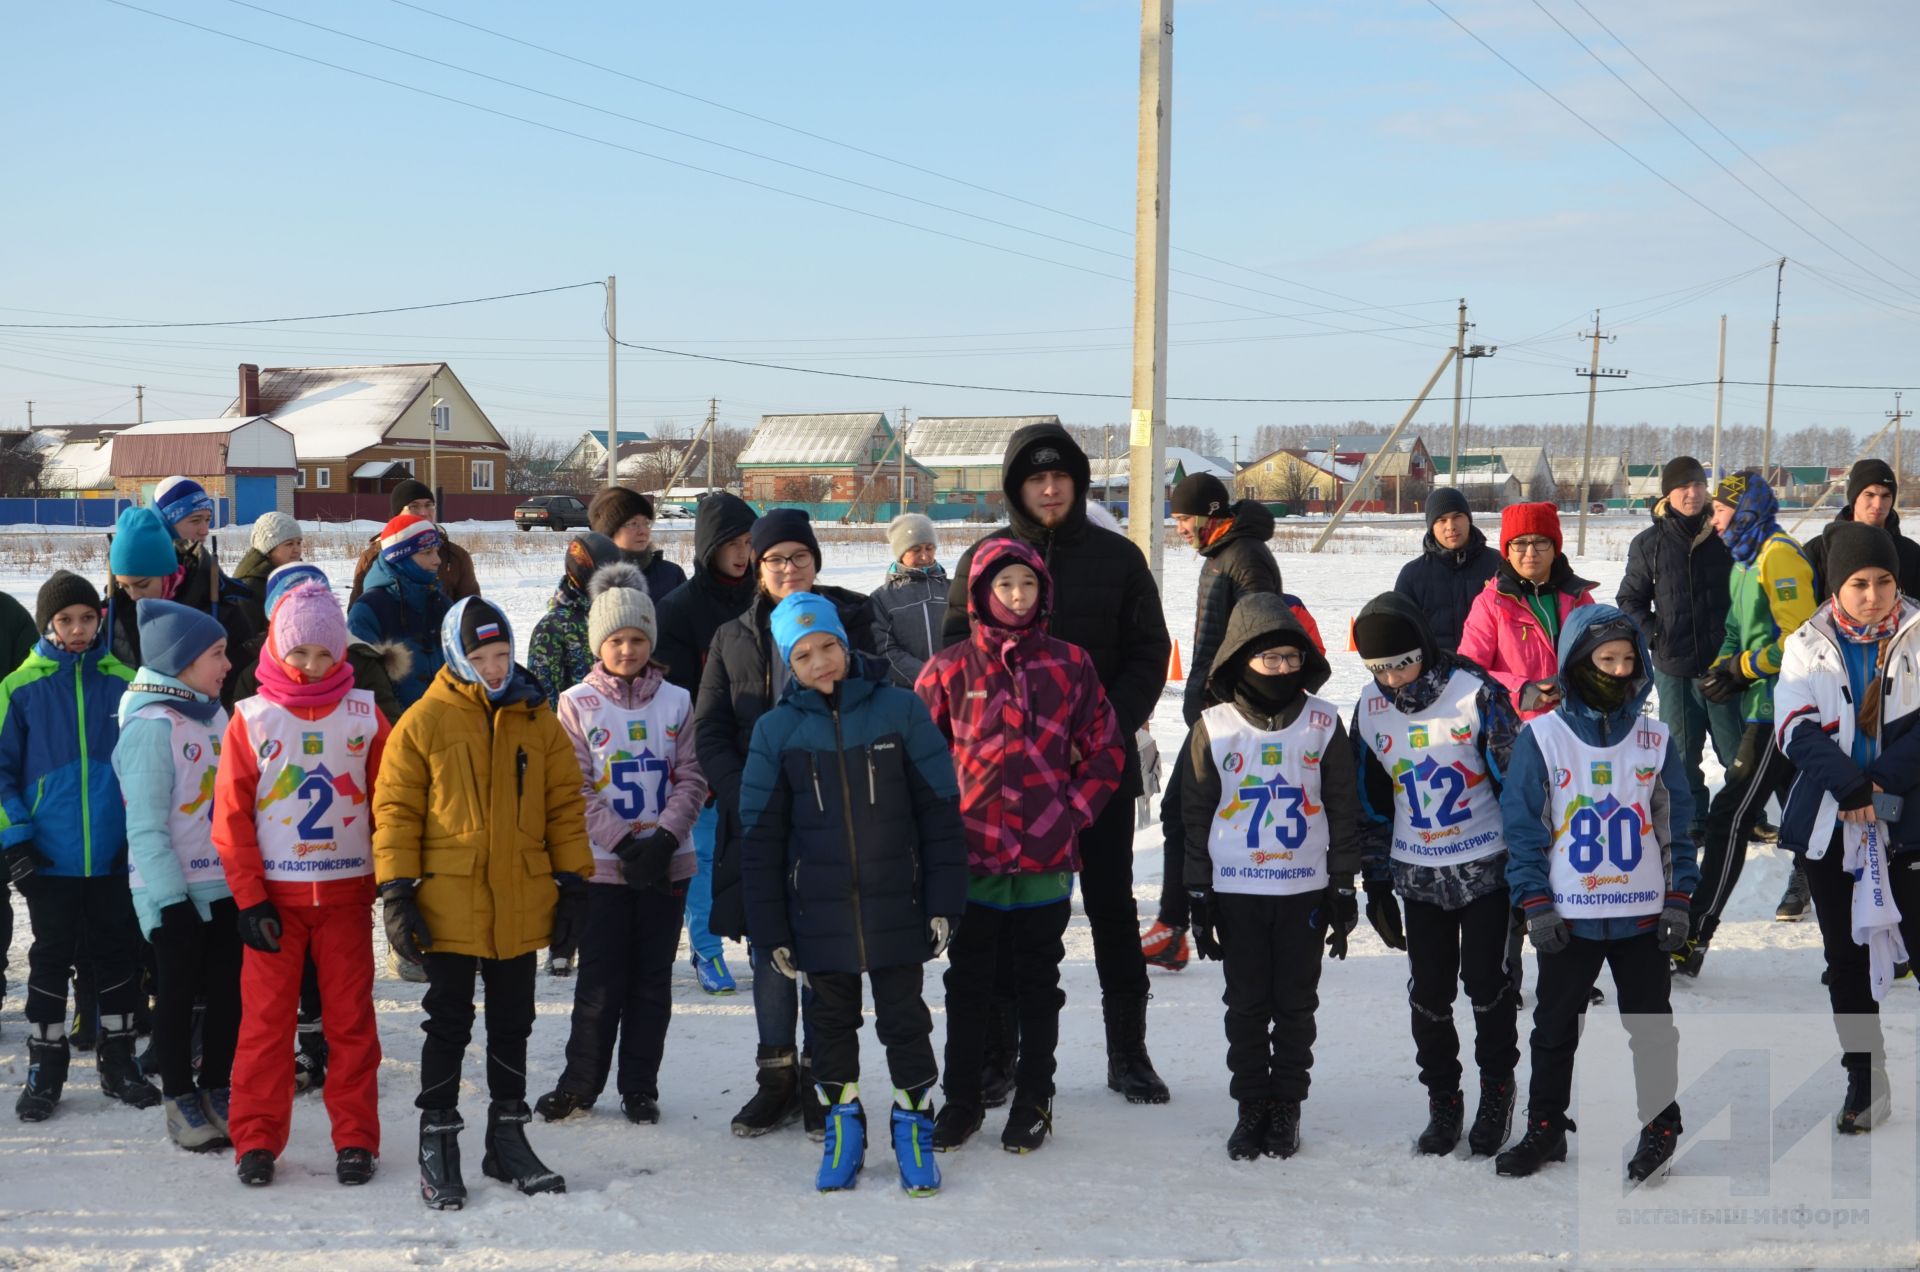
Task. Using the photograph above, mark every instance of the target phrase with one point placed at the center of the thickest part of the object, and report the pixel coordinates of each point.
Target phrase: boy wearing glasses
(1272, 818)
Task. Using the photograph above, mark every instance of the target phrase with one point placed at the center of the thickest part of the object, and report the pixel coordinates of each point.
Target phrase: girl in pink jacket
(1515, 622)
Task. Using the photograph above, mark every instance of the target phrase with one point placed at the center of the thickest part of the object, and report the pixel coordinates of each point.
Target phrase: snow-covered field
(1118, 1187)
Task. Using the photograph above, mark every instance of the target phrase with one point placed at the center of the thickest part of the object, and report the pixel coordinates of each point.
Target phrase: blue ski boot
(712, 974)
(846, 1144)
(913, 1142)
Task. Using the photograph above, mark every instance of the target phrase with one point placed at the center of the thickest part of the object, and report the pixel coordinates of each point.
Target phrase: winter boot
(47, 1056)
(955, 1124)
(1688, 960)
(1003, 1046)
(310, 1061)
(1795, 900)
(1249, 1137)
(1493, 1121)
(1029, 1123)
(913, 1142)
(1657, 1139)
(1283, 1128)
(509, 1158)
(813, 1114)
(712, 975)
(559, 965)
(775, 1103)
(1869, 1100)
(1164, 946)
(1129, 1070)
(189, 1126)
(120, 1075)
(214, 1104)
(561, 1103)
(353, 1166)
(1545, 1141)
(1445, 1113)
(844, 1149)
(1765, 832)
(441, 1186)
(256, 1168)
(641, 1110)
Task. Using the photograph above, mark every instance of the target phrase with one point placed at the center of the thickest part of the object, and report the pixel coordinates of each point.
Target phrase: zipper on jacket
(873, 794)
(520, 773)
(813, 767)
(853, 840)
(86, 804)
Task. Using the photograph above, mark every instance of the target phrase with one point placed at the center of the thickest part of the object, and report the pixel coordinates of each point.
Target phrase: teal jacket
(59, 723)
(143, 761)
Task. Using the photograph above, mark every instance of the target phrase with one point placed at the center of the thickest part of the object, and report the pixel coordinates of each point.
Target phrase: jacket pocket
(447, 893)
(454, 806)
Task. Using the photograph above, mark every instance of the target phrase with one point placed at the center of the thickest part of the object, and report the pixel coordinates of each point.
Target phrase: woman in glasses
(1514, 624)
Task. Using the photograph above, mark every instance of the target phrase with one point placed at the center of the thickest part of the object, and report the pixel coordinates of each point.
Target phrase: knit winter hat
(178, 498)
(1682, 470)
(614, 507)
(785, 525)
(1853, 546)
(586, 553)
(1201, 495)
(308, 615)
(1732, 486)
(1048, 453)
(482, 623)
(62, 588)
(289, 576)
(173, 635)
(273, 530)
(142, 546)
(1523, 519)
(909, 530)
(1387, 641)
(405, 535)
(409, 491)
(1444, 501)
(802, 614)
(1870, 472)
(620, 600)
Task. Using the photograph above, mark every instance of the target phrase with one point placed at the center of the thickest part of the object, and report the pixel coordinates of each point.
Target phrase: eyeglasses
(1278, 660)
(1530, 547)
(793, 561)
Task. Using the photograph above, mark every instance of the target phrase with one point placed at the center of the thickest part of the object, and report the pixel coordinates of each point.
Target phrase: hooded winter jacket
(17, 636)
(1524, 802)
(1036, 747)
(1238, 563)
(853, 841)
(690, 616)
(1908, 550)
(456, 573)
(1105, 599)
(403, 603)
(166, 760)
(1676, 589)
(252, 574)
(557, 652)
(1769, 598)
(59, 723)
(663, 576)
(480, 801)
(1445, 584)
(681, 789)
(1505, 636)
(909, 612)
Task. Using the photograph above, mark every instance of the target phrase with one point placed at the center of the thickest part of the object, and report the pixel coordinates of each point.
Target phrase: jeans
(776, 1002)
(700, 888)
(1694, 721)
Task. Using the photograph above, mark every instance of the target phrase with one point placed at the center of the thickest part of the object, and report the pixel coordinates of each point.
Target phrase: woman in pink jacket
(1514, 624)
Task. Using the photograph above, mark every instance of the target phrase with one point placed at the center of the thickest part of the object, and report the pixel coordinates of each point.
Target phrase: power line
(250, 322)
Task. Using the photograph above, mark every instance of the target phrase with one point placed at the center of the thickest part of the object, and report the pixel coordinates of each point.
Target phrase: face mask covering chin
(1270, 695)
(1604, 692)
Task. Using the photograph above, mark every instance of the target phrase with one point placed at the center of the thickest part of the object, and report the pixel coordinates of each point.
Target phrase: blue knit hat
(289, 576)
(172, 636)
(142, 546)
(178, 498)
(802, 614)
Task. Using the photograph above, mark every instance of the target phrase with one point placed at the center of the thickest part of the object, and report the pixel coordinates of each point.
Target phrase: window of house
(325, 476)
(483, 474)
(299, 479)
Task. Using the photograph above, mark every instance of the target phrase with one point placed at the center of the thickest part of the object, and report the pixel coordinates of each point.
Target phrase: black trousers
(6, 932)
(1641, 982)
(1173, 859)
(1448, 948)
(623, 989)
(1760, 771)
(202, 965)
(1019, 951)
(1849, 989)
(1273, 947)
(84, 924)
(449, 1026)
(900, 1020)
(1106, 893)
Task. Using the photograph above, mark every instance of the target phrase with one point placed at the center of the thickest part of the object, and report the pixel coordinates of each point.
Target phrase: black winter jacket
(737, 687)
(663, 577)
(1238, 563)
(1444, 584)
(690, 615)
(1677, 589)
(1908, 550)
(1105, 599)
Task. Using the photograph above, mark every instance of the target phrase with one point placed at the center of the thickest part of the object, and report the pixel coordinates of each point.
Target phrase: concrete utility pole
(1896, 415)
(613, 391)
(1773, 361)
(900, 488)
(1146, 469)
(29, 415)
(1719, 397)
(1594, 375)
(1459, 365)
(706, 431)
(140, 404)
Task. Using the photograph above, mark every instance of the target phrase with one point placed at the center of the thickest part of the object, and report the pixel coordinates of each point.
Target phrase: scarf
(1604, 692)
(1873, 637)
(1755, 520)
(285, 687)
(1269, 695)
(1004, 617)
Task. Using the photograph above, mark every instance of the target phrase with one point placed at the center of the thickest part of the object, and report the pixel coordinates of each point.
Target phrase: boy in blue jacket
(65, 842)
(854, 863)
(1599, 859)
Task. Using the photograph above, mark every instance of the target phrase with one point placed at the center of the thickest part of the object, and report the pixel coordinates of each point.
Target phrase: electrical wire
(252, 322)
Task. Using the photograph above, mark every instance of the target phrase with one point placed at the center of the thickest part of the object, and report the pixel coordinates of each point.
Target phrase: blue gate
(253, 498)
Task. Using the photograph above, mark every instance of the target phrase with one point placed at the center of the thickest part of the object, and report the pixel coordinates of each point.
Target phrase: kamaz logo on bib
(636, 730)
(313, 744)
(1603, 773)
(1271, 753)
(1417, 735)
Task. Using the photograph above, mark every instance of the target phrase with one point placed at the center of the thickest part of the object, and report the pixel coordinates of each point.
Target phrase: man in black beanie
(1453, 567)
(456, 572)
(1872, 491)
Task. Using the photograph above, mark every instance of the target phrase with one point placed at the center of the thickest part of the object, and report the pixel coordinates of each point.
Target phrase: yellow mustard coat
(483, 807)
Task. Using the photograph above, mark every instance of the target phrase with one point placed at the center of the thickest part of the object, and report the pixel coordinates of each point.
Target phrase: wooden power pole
(1773, 363)
(1594, 374)
(1459, 365)
(1897, 415)
(1146, 468)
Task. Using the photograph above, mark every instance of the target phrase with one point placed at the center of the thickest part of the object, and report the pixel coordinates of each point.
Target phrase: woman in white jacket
(1847, 711)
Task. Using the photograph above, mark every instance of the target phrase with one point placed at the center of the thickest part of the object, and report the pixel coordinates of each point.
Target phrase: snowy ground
(1119, 1186)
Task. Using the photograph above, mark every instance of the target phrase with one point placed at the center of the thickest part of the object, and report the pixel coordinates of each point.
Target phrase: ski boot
(1166, 947)
(712, 975)
(189, 1126)
(441, 1186)
(1545, 1141)
(913, 1142)
(1795, 900)
(1493, 1121)
(120, 1075)
(1869, 1101)
(1657, 1140)
(1129, 1069)
(845, 1145)
(1688, 959)
(214, 1104)
(813, 1114)
(47, 1057)
(509, 1158)
(775, 1103)
(1444, 1116)
(641, 1110)
(1028, 1124)
(955, 1124)
(1283, 1128)
(256, 1168)
(1249, 1137)
(310, 1061)
(560, 1103)
(353, 1166)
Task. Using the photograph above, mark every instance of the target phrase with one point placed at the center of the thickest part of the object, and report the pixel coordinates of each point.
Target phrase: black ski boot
(1283, 1128)
(310, 1060)
(353, 1166)
(441, 1186)
(1545, 1141)
(813, 1114)
(1689, 959)
(1129, 1069)
(1869, 1100)
(1445, 1113)
(1249, 1136)
(641, 1110)
(120, 1075)
(561, 1103)
(1657, 1140)
(1003, 1046)
(1493, 1121)
(256, 1168)
(1795, 901)
(955, 1124)
(509, 1157)
(1029, 1123)
(47, 1059)
(776, 1102)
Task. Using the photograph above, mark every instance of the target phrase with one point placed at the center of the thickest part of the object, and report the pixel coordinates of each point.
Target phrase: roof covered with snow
(1607, 469)
(1117, 469)
(334, 412)
(175, 428)
(81, 465)
(813, 439)
(966, 441)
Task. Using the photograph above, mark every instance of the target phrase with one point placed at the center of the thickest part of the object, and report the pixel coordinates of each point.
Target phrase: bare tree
(535, 463)
(724, 457)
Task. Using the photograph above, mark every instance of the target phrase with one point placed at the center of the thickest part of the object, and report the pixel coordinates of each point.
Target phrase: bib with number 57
(1445, 811)
(633, 750)
(1606, 860)
(312, 801)
(1269, 834)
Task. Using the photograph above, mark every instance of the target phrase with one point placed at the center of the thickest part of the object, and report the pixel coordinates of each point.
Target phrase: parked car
(675, 510)
(555, 512)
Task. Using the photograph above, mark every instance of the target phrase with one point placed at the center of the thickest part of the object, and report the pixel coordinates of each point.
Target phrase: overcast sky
(1355, 165)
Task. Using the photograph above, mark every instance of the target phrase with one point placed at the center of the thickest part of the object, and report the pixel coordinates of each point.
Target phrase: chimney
(249, 390)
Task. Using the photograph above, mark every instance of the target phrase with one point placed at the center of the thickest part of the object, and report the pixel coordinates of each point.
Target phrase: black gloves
(260, 928)
(406, 929)
(179, 923)
(1201, 923)
(1383, 914)
(569, 915)
(1724, 681)
(1343, 915)
(646, 859)
(20, 860)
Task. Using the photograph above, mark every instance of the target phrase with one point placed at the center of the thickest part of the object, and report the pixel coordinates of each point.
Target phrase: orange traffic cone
(1174, 671)
(1352, 648)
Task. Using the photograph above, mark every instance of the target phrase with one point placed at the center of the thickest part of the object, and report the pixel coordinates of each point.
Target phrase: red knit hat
(1523, 519)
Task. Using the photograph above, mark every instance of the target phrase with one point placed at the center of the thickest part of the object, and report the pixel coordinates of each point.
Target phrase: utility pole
(1594, 375)
(1459, 365)
(1719, 397)
(1896, 415)
(1147, 462)
(713, 416)
(140, 404)
(706, 431)
(1773, 361)
(900, 488)
(29, 415)
(1106, 464)
(613, 391)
